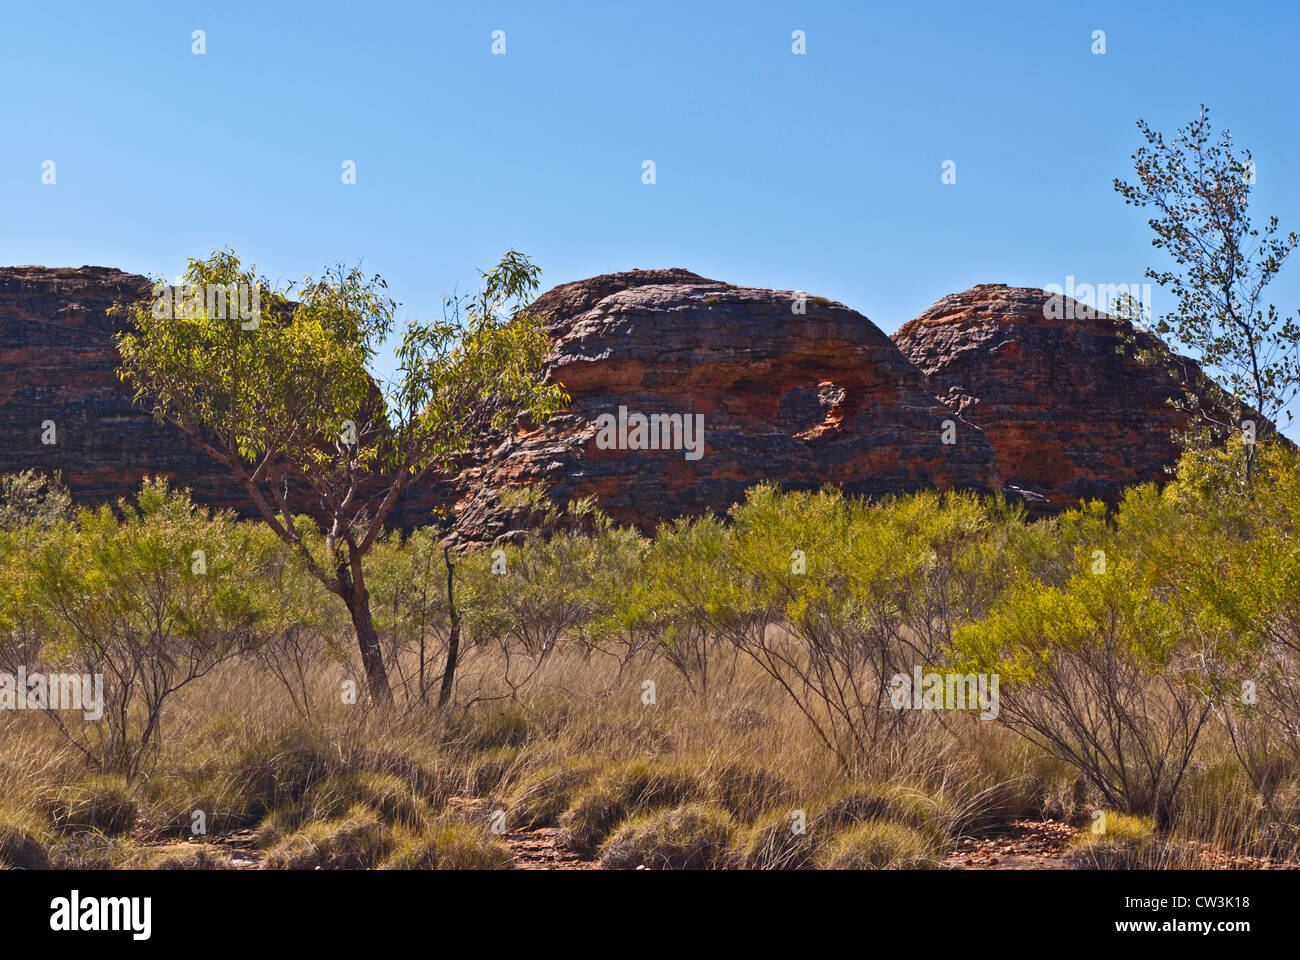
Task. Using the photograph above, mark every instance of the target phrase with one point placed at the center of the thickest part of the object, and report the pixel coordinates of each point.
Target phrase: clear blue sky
(819, 172)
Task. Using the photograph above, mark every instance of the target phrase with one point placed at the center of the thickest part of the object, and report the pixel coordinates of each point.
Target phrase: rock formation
(58, 366)
(58, 381)
(737, 385)
(800, 398)
(1071, 411)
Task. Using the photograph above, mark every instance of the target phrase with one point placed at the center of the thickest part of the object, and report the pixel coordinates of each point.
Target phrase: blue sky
(819, 172)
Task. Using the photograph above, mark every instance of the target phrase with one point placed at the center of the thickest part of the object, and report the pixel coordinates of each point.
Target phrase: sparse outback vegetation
(717, 695)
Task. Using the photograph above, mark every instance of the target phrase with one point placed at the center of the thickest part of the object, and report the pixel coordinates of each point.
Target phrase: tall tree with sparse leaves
(286, 401)
(1199, 188)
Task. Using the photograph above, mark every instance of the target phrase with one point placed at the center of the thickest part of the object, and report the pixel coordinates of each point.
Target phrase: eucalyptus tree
(285, 400)
(1198, 187)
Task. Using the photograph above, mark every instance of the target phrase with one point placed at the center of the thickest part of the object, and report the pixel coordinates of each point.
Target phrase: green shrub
(1100, 672)
(156, 595)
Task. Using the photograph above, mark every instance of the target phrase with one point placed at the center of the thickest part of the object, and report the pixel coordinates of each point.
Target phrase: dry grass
(682, 782)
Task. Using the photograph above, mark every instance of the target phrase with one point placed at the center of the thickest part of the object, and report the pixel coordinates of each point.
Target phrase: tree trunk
(453, 640)
(357, 597)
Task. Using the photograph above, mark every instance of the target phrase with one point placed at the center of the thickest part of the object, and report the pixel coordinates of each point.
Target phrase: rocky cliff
(58, 383)
(1071, 411)
(765, 387)
(685, 392)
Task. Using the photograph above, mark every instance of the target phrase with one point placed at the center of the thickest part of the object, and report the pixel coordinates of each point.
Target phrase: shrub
(150, 602)
(449, 845)
(354, 842)
(694, 836)
(1101, 673)
(102, 803)
(772, 843)
(877, 845)
(619, 793)
(832, 597)
(35, 499)
(23, 841)
(541, 798)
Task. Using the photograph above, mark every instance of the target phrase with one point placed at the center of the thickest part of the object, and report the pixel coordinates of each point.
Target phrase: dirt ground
(1019, 845)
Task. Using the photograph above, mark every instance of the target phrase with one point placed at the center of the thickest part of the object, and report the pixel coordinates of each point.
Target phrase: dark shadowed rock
(58, 362)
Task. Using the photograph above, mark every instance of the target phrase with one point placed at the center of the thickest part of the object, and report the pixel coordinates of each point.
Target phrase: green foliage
(1199, 187)
(285, 400)
(277, 384)
(1120, 636)
(1114, 669)
(150, 601)
(830, 596)
(33, 499)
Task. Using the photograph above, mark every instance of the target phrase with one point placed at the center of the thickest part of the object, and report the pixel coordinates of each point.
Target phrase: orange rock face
(1071, 411)
(803, 394)
(736, 385)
